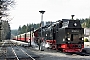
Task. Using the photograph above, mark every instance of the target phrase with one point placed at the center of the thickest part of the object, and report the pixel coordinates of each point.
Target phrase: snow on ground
(86, 44)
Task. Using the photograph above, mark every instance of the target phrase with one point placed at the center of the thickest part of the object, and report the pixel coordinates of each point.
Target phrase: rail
(13, 48)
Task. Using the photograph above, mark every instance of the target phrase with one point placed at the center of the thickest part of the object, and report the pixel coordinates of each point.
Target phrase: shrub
(86, 40)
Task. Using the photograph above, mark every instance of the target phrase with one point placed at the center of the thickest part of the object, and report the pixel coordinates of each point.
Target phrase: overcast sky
(27, 11)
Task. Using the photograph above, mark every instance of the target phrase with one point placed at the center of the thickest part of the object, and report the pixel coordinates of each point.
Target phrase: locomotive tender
(66, 35)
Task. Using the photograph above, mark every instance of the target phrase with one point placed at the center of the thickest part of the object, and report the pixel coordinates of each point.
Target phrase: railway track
(11, 51)
(51, 50)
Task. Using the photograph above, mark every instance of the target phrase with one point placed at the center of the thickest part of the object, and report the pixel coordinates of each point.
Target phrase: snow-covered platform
(24, 43)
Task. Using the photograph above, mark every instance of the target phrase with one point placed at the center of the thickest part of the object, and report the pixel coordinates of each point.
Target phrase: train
(64, 35)
(25, 37)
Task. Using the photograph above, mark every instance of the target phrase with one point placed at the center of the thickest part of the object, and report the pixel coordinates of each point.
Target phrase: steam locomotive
(66, 35)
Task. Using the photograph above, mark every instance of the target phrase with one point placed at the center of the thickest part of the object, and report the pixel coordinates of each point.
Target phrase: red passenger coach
(25, 37)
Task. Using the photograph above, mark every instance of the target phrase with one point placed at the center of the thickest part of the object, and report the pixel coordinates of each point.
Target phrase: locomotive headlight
(68, 38)
(82, 38)
(63, 39)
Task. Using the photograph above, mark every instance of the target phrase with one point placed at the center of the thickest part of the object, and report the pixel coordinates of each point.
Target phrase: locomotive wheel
(84, 51)
(60, 49)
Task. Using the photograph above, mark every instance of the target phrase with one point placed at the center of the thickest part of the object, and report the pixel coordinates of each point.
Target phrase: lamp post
(72, 16)
(42, 12)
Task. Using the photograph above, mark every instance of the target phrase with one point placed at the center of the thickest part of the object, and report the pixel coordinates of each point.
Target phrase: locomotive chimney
(72, 16)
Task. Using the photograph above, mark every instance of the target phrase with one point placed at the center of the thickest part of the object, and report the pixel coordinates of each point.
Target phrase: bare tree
(5, 6)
